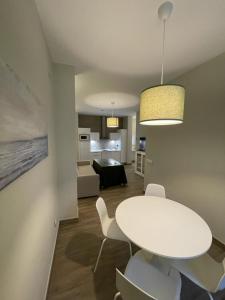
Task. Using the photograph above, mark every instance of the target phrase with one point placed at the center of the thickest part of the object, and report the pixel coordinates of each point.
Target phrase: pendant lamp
(162, 104)
(112, 122)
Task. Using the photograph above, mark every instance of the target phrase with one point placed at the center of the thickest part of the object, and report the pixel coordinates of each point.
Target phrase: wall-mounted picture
(23, 127)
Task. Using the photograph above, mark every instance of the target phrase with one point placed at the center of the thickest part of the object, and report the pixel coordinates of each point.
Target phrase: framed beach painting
(23, 127)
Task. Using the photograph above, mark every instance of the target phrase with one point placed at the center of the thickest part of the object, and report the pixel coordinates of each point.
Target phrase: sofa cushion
(83, 162)
(85, 170)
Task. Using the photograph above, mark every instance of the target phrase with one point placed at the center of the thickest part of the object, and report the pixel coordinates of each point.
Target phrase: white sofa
(87, 180)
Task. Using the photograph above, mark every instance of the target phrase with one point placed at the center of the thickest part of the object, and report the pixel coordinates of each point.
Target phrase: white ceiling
(123, 38)
(95, 90)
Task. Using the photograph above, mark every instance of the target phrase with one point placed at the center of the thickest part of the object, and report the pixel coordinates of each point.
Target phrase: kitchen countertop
(109, 150)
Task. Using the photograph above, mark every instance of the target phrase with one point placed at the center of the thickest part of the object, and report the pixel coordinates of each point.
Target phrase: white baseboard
(51, 262)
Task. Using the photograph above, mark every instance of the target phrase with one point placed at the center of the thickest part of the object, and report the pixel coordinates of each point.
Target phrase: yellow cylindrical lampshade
(112, 122)
(162, 105)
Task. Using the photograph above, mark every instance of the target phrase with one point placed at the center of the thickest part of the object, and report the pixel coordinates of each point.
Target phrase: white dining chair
(203, 271)
(109, 227)
(143, 280)
(156, 190)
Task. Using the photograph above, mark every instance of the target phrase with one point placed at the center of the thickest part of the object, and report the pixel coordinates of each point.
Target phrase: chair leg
(130, 247)
(210, 296)
(99, 254)
(116, 296)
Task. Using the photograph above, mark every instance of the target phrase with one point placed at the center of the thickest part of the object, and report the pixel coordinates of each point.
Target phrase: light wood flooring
(78, 245)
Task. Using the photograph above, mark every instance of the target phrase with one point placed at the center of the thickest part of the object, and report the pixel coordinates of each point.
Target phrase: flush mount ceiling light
(112, 122)
(162, 104)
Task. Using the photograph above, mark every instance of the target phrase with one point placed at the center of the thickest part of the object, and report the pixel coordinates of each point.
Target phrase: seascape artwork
(23, 128)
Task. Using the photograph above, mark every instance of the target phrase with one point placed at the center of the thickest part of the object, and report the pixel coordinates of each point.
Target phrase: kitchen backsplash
(105, 144)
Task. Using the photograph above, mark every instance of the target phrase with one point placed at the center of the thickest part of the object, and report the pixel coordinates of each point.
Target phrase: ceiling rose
(104, 100)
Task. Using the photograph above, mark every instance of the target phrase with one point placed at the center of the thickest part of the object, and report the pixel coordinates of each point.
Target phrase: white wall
(189, 159)
(134, 133)
(29, 206)
(66, 137)
(129, 139)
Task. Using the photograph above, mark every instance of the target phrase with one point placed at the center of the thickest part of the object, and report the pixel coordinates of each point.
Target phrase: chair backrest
(156, 190)
(128, 290)
(102, 212)
(221, 284)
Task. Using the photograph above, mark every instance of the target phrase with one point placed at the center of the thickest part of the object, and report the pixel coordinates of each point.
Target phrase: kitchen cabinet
(95, 136)
(116, 155)
(96, 155)
(115, 136)
(106, 154)
(83, 145)
(111, 154)
(84, 150)
(84, 130)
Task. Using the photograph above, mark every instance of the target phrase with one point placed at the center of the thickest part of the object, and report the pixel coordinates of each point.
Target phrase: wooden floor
(78, 245)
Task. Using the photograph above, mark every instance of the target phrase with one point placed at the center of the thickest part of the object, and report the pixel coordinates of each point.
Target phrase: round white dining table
(163, 227)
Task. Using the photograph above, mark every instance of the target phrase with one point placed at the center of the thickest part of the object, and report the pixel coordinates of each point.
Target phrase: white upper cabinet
(114, 136)
(95, 136)
(84, 130)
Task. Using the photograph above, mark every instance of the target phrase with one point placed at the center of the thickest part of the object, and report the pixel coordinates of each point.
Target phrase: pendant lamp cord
(163, 50)
(112, 109)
